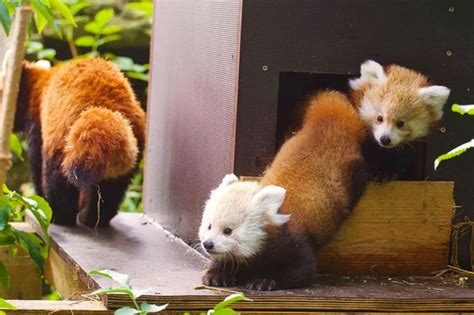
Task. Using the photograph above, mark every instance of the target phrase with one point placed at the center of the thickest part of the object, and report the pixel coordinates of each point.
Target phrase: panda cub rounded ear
(269, 199)
(371, 72)
(228, 179)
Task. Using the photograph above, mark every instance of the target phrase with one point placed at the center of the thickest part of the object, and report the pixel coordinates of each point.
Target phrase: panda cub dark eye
(400, 124)
(209, 226)
(227, 231)
(379, 118)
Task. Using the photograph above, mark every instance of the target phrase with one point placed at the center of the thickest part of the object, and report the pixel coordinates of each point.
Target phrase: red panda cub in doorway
(86, 132)
(264, 235)
(399, 106)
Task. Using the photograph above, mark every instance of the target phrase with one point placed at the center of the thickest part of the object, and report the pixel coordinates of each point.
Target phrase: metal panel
(191, 110)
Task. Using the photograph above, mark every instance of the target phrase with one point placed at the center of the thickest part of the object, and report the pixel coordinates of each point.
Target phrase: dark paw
(217, 279)
(262, 285)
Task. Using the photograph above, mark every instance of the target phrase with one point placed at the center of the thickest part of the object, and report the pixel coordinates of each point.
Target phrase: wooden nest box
(228, 81)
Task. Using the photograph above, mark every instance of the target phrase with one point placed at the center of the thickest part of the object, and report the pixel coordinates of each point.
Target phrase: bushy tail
(100, 145)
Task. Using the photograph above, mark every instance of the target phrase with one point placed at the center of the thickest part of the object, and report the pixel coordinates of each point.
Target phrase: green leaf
(111, 29)
(138, 76)
(463, 109)
(43, 205)
(47, 54)
(64, 10)
(40, 22)
(145, 8)
(107, 39)
(4, 276)
(124, 63)
(453, 153)
(33, 47)
(230, 300)
(223, 311)
(32, 244)
(6, 240)
(15, 146)
(6, 306)
(78, 7)
(42, 10)
(93, 27)
(55, 296)
(103, 17)
(109, 290)
(152, 308)
(5, 211)
(5, 18)
(126, 311)
(85, 41)
(121, 278)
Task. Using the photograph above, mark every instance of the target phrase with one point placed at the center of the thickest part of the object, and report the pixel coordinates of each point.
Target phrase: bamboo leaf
(5, 211)
(453, 153)
(46, 13)
(463, 109)
(5, 18)
(64, 10)
(111, 29)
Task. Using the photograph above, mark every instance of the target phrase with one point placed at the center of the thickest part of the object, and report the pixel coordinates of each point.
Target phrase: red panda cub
(86, 132)
(399, 106)
(314, 182)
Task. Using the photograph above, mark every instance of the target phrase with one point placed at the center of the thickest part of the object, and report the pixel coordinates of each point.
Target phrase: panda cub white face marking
(236, 215)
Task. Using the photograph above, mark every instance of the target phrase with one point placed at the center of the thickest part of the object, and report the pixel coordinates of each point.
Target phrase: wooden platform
(171, 269)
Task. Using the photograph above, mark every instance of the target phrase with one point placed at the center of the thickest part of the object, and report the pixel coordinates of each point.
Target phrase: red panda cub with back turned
(264, 235)
(86, 132)
(399, 106)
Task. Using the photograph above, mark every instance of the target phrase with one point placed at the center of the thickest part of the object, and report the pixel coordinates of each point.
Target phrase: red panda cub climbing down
(399, 106)
(263, 235)
(86, 132)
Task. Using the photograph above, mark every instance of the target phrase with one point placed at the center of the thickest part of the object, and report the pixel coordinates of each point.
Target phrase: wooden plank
(398, 228)
(64, 277)
(155, 259)
(25, 282)
(58, 307)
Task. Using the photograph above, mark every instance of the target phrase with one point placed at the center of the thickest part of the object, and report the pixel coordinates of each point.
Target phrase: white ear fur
(228, 179)
(370, 72)
(435, 95)
(270, 199)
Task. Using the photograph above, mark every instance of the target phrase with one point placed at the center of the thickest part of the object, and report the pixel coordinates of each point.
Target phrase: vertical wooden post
(11, 85)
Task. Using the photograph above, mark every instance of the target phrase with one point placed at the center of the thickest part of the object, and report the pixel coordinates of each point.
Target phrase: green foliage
(15, 146)
(4, 305)
(126, 288)
(223, 308)
(133, 197)
(45, 12)
(460, 109)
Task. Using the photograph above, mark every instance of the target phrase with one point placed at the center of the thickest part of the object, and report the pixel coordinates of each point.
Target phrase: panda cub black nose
(385, 140)
(208, 245)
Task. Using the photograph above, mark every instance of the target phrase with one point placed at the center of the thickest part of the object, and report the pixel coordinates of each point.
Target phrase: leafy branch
(457, 151)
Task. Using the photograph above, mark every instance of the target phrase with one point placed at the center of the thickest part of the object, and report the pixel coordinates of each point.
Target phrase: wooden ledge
(171, 269)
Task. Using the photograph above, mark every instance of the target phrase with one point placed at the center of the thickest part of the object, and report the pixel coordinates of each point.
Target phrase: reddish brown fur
(321, 167)
(92, 127)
